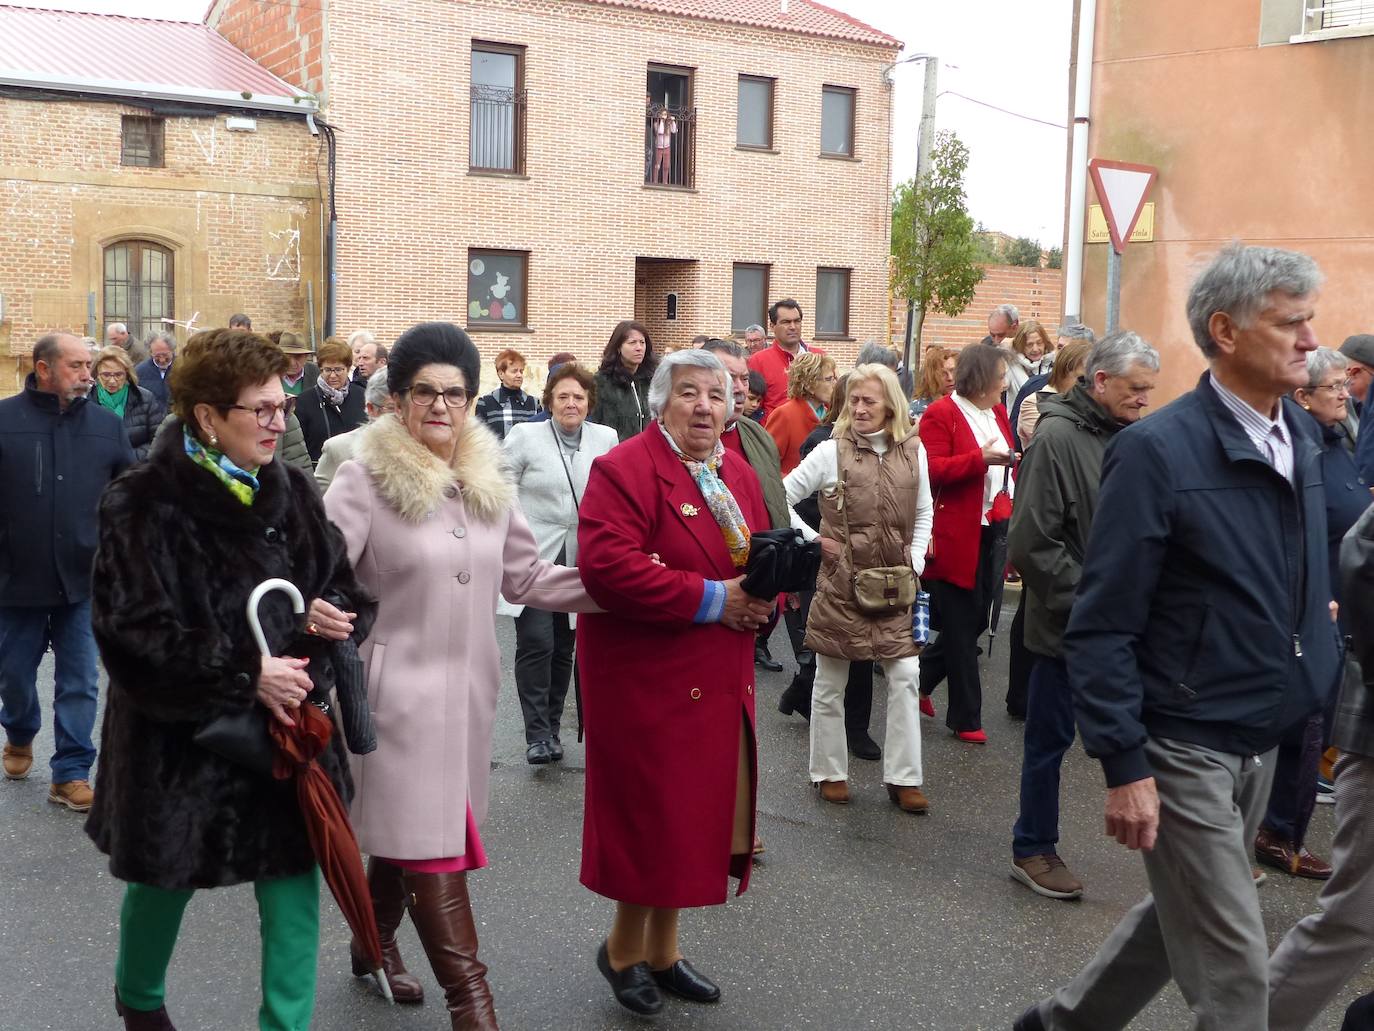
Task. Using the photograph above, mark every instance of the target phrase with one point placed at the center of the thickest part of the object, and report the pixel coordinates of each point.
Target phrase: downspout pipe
(1078, 163)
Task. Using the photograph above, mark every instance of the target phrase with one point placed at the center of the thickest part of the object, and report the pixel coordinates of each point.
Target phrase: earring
(214, 440)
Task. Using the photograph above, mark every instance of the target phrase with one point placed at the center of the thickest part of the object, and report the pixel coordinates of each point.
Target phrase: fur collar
(412, 480)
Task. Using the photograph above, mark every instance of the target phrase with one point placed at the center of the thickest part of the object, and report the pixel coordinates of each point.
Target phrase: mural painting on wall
(494, 289)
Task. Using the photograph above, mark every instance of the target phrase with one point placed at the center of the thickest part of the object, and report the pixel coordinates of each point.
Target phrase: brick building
(188, 189)
(495, 160)
(1250, 111)
(1037, 293)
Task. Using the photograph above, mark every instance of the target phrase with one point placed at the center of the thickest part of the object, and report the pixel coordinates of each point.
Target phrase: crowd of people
(1194, 605)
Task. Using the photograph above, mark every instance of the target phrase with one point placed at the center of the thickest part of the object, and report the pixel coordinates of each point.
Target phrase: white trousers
(902, 740)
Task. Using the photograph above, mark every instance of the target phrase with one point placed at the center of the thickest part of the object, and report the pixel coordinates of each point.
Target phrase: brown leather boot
(143, 1020)
(441, 911)
(388, 889)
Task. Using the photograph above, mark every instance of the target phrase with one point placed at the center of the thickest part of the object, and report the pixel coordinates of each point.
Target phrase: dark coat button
(242, 680)
(450, 491)
(464, 577)
(271, 534)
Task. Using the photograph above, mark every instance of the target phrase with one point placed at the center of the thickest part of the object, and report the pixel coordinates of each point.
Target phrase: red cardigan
(790, 424)
(957, 469)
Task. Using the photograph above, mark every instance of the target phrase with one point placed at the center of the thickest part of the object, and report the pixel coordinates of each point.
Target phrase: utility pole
(925, 144)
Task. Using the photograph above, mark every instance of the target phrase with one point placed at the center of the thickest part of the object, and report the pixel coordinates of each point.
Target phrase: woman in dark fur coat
(184, 538)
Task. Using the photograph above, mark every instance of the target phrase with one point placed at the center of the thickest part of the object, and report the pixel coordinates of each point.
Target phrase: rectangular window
(749, 296)
(669, 127)
(142, 141)
(1340, 14)
(754, 127)
(837, 121)
(497, 282)
(497, 124)
(832, 302)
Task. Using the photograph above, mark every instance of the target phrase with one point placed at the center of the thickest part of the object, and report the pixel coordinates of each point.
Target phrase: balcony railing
(670, 146)
(498, 130)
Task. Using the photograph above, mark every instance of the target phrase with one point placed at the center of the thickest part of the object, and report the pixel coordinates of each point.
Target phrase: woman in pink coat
(433, 532)
(668, 678)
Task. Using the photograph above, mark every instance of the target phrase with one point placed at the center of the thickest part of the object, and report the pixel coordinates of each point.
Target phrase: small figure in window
(665, 128)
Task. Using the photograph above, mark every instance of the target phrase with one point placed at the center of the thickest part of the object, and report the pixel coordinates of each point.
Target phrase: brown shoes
(909, 797)
(1047, 875)
(835, 791)
(386, 884)
(76, 795)
(1274, 851)
(18, 759)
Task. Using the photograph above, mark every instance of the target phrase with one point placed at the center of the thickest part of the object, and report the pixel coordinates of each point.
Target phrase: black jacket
(321, 420)
(1347, 496)
(53, 466)
(1202, 614)
(151, 379)
(142, 416)
(1353, 729)
(493, 408)
(178, 558)
(1056, 498)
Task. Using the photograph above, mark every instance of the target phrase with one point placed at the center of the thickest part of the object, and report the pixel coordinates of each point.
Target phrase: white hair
(1320, 362)
(360, 336)
(1115, 354)
(662, 383)
(1239, 281)
(1008, 312)
(755, 328)
(116, 327)
(376, 393)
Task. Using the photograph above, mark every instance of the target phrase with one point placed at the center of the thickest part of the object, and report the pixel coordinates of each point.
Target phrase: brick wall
(398, 89)
(1038, 293)
(284, 36)
(237, 210)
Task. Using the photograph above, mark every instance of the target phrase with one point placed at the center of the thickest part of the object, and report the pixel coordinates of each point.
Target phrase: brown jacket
(880, 497)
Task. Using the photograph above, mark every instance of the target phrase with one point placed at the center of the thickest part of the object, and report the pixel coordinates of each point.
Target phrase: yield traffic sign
(1122, 188)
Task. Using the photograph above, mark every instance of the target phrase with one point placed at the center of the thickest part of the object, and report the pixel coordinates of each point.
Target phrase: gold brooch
(689, 510)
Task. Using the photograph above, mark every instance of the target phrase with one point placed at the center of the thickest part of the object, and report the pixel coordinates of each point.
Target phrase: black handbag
(241, 737)
(780, 561)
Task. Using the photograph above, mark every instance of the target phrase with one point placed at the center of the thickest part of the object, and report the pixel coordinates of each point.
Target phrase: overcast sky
(1013, 54)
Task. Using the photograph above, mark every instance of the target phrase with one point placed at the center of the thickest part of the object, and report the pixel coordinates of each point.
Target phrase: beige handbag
(882, 589)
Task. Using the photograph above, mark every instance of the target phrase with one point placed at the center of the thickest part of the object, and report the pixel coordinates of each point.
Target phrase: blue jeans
(1049, 734)
(25, 634)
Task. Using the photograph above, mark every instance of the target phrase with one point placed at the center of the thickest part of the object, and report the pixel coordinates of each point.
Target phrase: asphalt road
(858, 916)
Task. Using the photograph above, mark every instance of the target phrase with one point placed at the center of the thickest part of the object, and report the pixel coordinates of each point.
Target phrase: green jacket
(762, 455)
(293, 449)
(1056, 498)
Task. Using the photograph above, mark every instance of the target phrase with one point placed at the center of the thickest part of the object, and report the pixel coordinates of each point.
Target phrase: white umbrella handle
(261, 591)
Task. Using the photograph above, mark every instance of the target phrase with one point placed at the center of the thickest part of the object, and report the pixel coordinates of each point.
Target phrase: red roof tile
(97, 52)
(803, 16)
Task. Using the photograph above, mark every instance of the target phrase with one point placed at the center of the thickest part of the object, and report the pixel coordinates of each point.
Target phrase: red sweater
(772, 363)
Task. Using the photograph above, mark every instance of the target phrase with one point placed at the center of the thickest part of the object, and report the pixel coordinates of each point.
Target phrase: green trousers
(289, 922)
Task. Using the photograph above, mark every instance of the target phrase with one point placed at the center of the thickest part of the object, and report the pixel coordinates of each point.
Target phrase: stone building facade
(494, 159)
(185, 218)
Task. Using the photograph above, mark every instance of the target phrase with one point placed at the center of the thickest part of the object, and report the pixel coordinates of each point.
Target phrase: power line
(1005, 111)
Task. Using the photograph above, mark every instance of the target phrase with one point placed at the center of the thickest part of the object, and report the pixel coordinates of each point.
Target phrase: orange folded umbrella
(326, 817)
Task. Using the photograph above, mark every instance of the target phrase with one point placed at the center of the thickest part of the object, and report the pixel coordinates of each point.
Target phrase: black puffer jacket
(142, 416)
(177, 559)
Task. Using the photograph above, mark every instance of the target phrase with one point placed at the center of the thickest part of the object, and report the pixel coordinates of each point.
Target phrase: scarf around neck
(330, 395)
(241, 483)
(719, 501)
(115, 402)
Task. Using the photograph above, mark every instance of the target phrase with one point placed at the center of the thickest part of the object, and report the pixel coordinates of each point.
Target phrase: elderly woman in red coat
(668, 678)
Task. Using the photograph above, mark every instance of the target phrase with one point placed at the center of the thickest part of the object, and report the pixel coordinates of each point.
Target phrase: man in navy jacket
(1202, 630)
(57, 453)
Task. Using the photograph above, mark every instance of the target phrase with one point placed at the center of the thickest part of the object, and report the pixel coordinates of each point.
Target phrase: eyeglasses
(111, 374)
(1343, 387)
(424, 395)
(333, 370)
(267, 414)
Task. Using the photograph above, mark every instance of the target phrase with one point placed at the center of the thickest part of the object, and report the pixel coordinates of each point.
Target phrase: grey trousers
(1323, 951)
(1201, 922)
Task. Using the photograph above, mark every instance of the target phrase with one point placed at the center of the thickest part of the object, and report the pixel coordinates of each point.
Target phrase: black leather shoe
(683, 980)
(763, 658)
(539, 754)
(794, 700)
(633, 987)
(1029, 1021)
(861, 746)
(556, 750)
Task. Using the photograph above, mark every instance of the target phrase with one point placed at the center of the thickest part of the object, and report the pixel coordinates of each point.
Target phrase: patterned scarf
(241, 483)
(330, 395)
(719, 501)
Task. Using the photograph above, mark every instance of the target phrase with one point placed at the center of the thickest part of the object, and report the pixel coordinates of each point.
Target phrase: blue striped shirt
(1269, 435)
